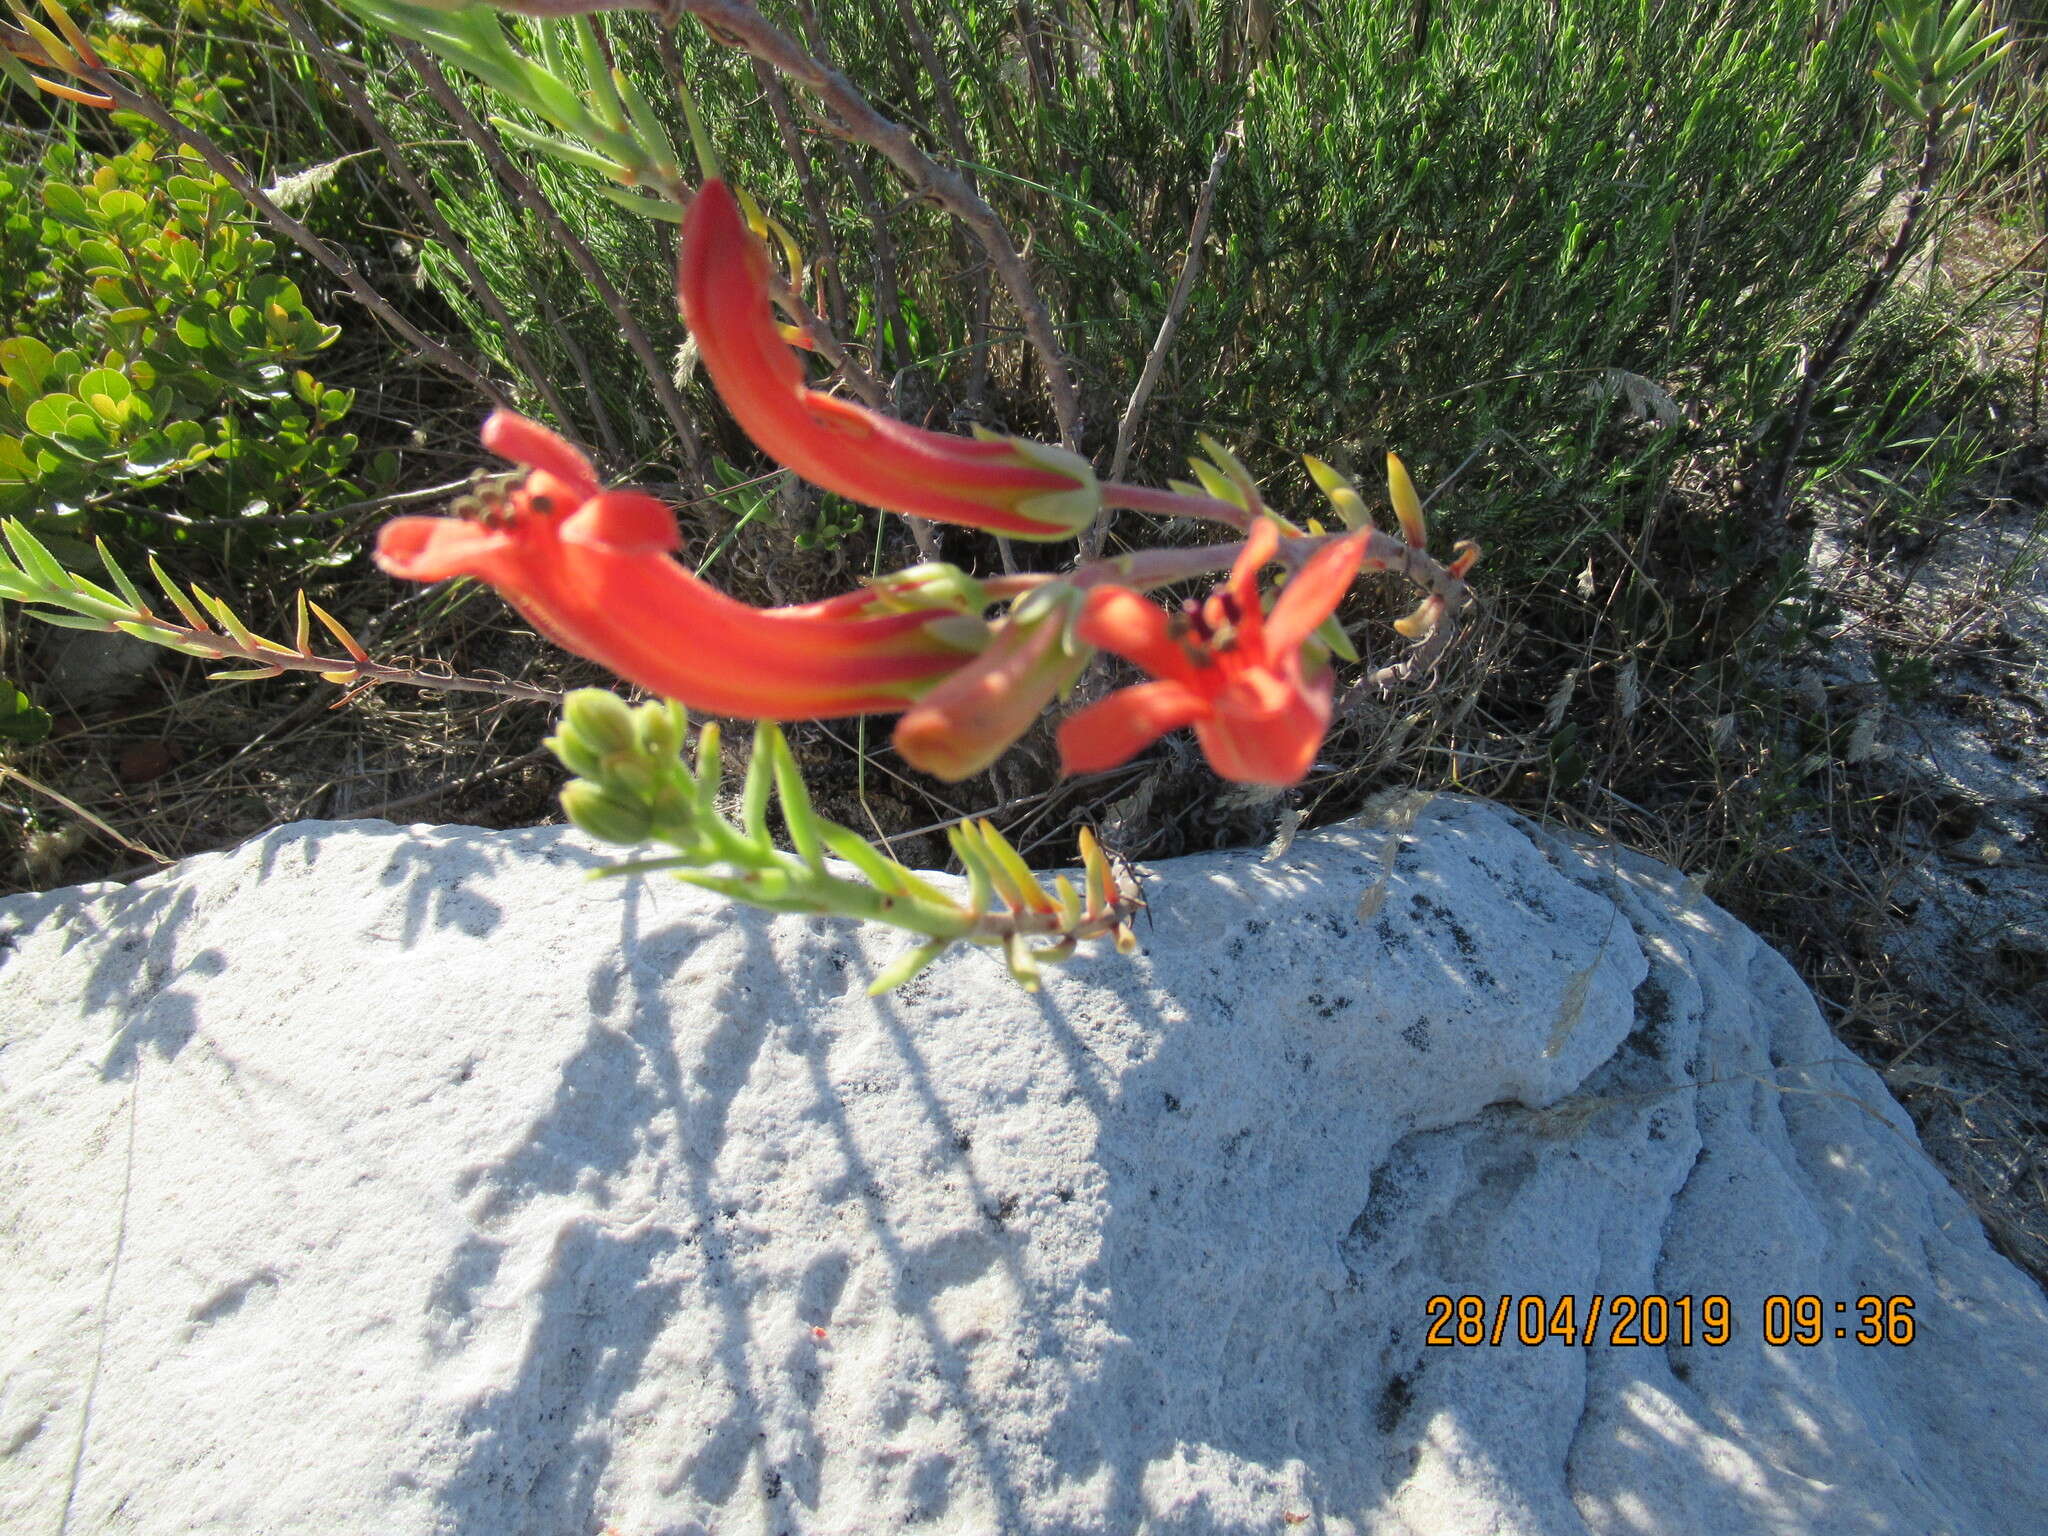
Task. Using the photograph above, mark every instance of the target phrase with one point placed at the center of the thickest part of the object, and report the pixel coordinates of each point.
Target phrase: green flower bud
(575, 755)
(934, 584)
(603, 816)
(673, 807)
(659, 726)
(600, 719)
(629, 776)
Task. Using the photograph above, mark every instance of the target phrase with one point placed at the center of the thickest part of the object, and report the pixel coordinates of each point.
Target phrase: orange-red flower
(1007, 485)
(592, 570)
(1225, 667)
(977, 714)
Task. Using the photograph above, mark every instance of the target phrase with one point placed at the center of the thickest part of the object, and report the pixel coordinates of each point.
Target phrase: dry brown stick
(1176, 306)
(963, 152)
(335, 263)
(315, 48)
(579, 359)
(531, 198)
(744, 26)
(807, 183)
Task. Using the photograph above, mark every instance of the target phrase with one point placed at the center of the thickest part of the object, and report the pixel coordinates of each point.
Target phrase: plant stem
(529, 195)
(1777, 489)
(1155, 361)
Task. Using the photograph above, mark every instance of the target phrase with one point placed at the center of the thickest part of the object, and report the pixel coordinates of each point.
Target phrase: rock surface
(395, 1181)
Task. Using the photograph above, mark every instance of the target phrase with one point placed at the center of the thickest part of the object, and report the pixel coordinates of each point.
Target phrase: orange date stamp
(1626, 1320)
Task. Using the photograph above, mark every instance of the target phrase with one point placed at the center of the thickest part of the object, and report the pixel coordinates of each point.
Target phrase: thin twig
(1155, 363)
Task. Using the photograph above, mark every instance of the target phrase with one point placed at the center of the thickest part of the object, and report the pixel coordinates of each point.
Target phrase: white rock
(375, 1180)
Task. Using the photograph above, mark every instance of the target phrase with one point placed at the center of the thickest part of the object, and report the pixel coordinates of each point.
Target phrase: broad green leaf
(46, 417)
(102, 381)
(121, 204)
(26, 361)
(67, 203)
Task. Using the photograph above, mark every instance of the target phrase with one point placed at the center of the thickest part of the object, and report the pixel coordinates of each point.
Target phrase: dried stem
(1155, 362)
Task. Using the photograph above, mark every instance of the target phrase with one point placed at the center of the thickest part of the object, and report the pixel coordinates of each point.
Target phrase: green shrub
(1494, 241)
(154, 343)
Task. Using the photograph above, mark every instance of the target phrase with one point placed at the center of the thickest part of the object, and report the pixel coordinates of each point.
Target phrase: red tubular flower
(1007, 485)
(1226, 668)
(591, 569)
(978, 713)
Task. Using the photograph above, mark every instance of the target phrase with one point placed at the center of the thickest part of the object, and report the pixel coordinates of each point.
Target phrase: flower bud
(969, 720)
(575, 754)
(604, 816)
(659, 727)
(673, 807)
(934, 584)
(630, 776)
(599, 719)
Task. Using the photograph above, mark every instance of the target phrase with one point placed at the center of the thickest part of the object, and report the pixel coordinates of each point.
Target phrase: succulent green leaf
(907, 965)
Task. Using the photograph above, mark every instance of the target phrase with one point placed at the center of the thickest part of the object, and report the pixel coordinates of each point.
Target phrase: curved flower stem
(1144, 498)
